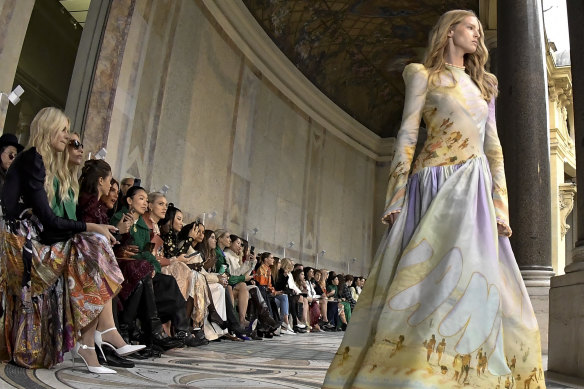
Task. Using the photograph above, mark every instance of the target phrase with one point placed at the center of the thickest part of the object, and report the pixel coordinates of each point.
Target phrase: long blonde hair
(44, 128)
(473, 62)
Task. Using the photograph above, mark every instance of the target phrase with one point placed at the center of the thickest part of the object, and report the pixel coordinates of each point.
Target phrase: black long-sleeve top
(25, 180)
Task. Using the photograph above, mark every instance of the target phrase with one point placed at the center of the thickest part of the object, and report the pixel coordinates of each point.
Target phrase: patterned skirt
(444, 305)
(69, 284)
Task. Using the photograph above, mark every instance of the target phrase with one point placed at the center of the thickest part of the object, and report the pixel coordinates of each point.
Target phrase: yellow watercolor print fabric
(444, 305)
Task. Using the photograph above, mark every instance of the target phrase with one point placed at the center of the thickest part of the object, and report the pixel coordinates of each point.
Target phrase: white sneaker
(289, 328)
(287, 332)
(300, 325)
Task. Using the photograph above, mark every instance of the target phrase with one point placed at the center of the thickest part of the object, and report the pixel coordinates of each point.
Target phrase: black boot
(128, 315)
(157, 335)
(263, 314)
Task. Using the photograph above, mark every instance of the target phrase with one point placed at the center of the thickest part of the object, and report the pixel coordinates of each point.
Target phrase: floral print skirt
(69, 284)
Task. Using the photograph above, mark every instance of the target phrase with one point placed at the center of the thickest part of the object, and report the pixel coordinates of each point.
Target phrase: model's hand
(393, 217)
(248, 277)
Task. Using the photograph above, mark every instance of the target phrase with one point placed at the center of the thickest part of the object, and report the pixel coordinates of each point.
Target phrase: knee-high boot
(152, 321)
(128, 315)
(267, 322)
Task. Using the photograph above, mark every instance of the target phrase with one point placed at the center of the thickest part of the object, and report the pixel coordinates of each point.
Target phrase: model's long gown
(444, 305)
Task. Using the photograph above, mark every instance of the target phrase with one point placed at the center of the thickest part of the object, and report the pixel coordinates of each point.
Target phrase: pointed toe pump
(122, 351)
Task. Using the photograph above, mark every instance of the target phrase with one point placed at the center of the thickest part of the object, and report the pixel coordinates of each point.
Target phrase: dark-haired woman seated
(175, 283)
(73, 273)
(140, 266)
(95, 183)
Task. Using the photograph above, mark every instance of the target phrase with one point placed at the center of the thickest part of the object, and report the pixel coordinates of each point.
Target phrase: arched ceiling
(354, 51)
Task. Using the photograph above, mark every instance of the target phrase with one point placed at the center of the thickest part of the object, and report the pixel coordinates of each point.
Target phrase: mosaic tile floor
(292, 361)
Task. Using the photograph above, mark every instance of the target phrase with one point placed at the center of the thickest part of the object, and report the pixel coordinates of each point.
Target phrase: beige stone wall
(191, 111)
(14, 17)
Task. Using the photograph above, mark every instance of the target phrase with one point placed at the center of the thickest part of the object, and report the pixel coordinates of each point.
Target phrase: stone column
(567, 291)
(522, 125)
(14, 18)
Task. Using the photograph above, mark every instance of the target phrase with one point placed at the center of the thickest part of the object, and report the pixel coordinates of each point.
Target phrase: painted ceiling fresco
(354, 51)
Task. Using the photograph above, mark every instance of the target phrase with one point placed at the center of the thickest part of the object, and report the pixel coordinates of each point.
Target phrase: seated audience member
(142, 292)
(95, 184)
(320, 289)
(9, 147)
(313, 300)
(356, 288)
(237, 286)
(346, 293)
(263, 277)
(344, 307)
(285, 283)
(208, 252)
(71, 271)
(211, 308)
(233, 256)
(166, 221)
(298, 277)
(126, 184)
(286, 327)
(75, 154)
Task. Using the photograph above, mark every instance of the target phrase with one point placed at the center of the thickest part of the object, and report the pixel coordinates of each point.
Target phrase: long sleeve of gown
(416, 79)
(494, 153)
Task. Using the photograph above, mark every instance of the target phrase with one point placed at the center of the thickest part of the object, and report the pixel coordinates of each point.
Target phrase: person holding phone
(140, 267)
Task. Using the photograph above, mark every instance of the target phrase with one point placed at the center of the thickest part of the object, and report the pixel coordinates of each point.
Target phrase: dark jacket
(25, 182)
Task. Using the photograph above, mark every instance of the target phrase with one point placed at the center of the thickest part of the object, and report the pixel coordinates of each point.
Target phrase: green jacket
(233, 280)
(140, 234)
(67, 208)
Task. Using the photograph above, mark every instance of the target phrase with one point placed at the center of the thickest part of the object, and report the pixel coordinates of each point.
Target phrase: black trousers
(170, 302)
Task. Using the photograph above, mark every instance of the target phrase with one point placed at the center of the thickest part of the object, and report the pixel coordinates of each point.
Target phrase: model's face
(310, 274)
(139, 202)
(236, 247)
(60, 140)
(336, 281)
(466, 34)
(75, 149)
(104, 185)
(212, 242)
(112, 196)
(177, 223)
(8, 156)
(158, 207)
(317, 277)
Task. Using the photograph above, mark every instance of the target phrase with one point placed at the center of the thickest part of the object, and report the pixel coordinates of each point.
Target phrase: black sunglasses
(76, 144)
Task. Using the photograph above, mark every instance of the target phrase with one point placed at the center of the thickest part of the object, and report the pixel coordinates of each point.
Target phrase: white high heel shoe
(93, 369)
(122, 351)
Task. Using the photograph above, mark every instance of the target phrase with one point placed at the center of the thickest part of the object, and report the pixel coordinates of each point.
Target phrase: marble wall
(189, 110)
